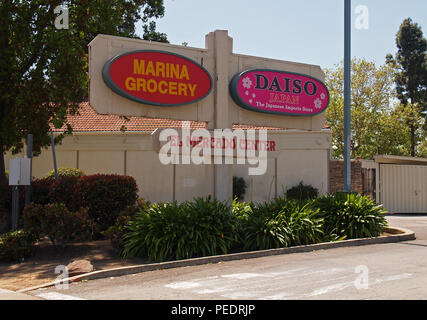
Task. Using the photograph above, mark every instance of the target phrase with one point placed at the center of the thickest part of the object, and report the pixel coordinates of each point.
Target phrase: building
(99, 144)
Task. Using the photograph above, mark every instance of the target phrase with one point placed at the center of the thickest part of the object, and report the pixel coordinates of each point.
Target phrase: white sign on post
(20, 172)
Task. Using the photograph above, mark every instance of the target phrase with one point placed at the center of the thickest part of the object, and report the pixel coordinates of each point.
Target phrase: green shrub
(351, 216)
(66, 172)
(302, 192)
(64, 191)
(40, 190)
(57, 223)
(15, 246)
(180, 231)
(104, 195)
(116, 232)
(239, 188)
(281, 223)
(5, 207)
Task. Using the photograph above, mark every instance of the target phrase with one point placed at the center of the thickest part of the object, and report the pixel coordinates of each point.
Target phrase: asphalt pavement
(373, 272)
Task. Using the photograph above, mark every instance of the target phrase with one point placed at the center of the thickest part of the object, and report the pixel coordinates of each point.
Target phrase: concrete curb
(397, 235)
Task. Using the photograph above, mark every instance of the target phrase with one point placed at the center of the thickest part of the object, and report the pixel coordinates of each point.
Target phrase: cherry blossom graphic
(318, 103)
(247, 83)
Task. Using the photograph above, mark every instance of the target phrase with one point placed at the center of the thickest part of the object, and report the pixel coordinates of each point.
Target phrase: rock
(78, 267)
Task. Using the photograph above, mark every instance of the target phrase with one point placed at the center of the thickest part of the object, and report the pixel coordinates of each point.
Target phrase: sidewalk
(11, 295)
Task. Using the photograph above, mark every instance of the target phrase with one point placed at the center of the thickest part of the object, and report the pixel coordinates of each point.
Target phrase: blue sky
(307, 31)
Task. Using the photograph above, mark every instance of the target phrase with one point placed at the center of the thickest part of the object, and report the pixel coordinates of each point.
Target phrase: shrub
(351, 216)
(281, 223)
(57, 223)
(64, 191)
(66, 172)
(105, 196)
(239, 188)
(302, 192)
(15, 246)
(40, 190)
(116, 232)
(180, 231)
(5, 207)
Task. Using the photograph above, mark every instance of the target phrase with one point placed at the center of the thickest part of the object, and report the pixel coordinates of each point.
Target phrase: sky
(306, 31)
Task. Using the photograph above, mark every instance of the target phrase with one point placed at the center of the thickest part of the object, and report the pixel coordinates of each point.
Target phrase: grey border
(236, 97)
(112, 85)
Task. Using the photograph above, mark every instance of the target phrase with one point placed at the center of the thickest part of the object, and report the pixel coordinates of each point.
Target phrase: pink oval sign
(279, 92)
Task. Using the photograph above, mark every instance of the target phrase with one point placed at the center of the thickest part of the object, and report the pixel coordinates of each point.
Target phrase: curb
(397, 235)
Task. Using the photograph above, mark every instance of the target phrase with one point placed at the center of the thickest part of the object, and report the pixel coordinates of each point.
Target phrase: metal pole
(15, 207)
(53, 154)
(347, 95)
(30, 156)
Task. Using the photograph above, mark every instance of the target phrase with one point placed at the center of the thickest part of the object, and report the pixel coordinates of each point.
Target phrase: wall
(301, 156)
(336, 173)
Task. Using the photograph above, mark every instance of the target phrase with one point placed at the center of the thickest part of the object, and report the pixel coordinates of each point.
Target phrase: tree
(43, 70)
(411, 74)
(377, 126)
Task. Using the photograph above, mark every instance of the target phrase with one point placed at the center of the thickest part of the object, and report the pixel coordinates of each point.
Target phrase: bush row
(74, 207)
(208, 227)
(103, 195)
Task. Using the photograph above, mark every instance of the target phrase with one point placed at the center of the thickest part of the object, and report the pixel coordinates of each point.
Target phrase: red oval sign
(279, 92)
(157, 78)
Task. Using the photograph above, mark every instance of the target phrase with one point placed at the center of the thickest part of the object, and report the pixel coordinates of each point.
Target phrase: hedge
(16, 246)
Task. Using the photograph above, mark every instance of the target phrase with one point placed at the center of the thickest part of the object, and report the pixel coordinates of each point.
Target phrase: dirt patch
(40, 268)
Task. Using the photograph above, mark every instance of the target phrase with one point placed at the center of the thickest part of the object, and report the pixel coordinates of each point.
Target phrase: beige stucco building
(99, 146)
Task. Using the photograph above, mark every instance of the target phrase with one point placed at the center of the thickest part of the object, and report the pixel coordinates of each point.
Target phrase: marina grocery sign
(279, 92)
(162, 78)
(157, 78)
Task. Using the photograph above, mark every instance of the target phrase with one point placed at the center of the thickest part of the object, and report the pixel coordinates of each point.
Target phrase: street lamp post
(347, 95)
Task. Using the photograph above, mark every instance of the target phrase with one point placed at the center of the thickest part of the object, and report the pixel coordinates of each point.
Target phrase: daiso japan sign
(157, 78)
(279, 92)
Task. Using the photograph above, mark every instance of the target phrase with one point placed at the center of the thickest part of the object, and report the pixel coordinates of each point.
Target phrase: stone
(79, 267)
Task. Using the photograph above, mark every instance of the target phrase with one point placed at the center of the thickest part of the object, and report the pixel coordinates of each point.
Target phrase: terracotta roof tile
(88, 120)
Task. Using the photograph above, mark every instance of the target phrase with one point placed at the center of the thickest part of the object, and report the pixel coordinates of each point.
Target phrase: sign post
(52, 140)
(29, 156)
(19, 175)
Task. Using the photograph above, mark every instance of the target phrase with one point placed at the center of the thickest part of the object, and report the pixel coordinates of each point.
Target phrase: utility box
(20, 172)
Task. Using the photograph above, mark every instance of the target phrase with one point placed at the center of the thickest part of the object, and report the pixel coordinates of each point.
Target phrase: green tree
(411, 75)
(376, 125)
(43, 70)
